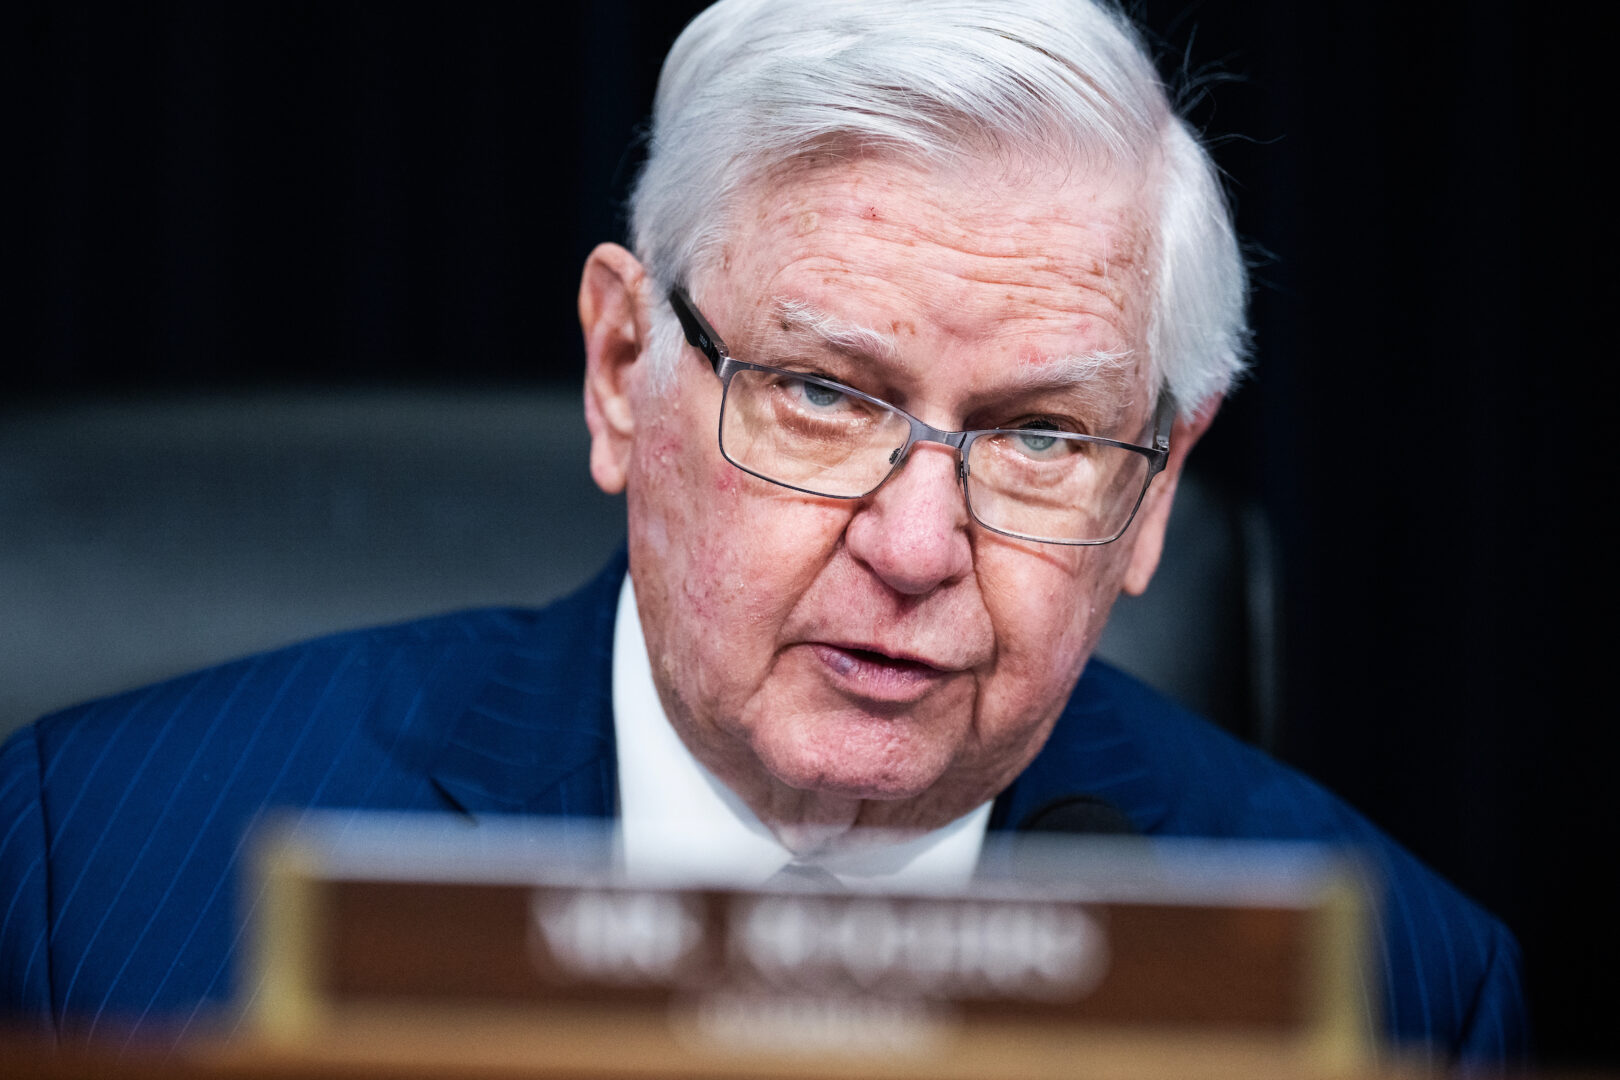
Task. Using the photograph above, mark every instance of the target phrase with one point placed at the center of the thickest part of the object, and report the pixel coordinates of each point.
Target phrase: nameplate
(522, 941)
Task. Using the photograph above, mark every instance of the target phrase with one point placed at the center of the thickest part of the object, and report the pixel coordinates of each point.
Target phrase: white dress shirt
(678, 822)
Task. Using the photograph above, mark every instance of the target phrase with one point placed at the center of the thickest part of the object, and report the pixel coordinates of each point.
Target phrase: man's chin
(858, 766)
(862, 788)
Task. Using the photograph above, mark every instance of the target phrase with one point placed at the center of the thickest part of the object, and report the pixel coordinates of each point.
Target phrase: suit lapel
(537, 738)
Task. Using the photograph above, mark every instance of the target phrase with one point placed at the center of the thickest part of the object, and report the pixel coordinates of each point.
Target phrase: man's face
(884, 660)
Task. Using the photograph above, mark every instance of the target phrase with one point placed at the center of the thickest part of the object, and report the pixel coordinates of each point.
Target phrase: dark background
(237, 195)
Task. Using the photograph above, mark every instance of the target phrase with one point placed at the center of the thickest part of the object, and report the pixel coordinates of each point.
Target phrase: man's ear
(613, 321)
(1154, 516)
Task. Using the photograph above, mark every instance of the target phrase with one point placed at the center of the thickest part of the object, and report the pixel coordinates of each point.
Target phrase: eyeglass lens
(1034, 484)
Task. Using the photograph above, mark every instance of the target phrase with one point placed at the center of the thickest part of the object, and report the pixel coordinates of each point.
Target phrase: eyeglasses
(823, 438)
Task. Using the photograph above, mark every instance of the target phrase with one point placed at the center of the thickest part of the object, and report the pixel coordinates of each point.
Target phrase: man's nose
(913, 531)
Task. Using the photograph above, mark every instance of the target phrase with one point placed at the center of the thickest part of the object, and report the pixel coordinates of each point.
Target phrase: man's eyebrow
(846, 337)
(1068, 372)
(1060, 373)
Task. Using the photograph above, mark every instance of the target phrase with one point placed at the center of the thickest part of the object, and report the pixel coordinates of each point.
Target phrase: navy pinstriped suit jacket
(121, 821)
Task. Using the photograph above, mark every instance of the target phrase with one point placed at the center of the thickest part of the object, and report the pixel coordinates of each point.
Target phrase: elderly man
(928, 304)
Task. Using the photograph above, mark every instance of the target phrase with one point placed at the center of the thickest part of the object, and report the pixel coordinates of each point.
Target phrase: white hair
(753, 85)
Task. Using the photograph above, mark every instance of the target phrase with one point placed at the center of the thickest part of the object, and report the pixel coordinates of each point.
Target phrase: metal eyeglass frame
(702, 336)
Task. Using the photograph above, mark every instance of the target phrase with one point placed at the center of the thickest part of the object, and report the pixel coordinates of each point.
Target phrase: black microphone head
(1079, 814)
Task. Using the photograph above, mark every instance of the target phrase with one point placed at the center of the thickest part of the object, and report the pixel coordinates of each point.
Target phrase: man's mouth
(873, 673)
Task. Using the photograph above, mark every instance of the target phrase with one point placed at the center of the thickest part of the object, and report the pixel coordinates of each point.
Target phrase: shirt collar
(678, 820)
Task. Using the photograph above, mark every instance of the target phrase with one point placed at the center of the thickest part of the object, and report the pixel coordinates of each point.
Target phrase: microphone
(1079, 814)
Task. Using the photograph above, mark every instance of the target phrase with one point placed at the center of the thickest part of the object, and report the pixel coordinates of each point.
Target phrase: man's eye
(816, 394)
(1037, 442)
(1036, 439)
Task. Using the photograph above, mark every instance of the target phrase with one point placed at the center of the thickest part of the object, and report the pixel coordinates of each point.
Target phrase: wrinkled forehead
(1080, 225)
(1049, 267)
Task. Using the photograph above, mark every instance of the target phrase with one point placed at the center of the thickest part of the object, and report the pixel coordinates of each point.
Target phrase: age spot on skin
(666, 451)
